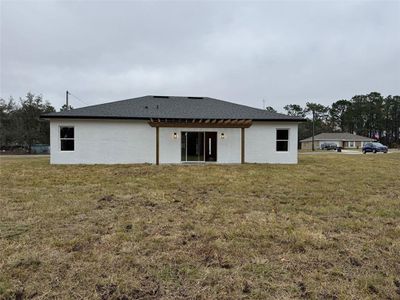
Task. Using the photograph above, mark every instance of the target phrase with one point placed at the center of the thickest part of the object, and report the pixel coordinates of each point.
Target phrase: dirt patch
(303, 290)
(106, 201)
(27, 263)
(372, 289)
(106, 291)
(212, 258)
(397, 285)
(355, 262)
(246, 289)
(149, 289)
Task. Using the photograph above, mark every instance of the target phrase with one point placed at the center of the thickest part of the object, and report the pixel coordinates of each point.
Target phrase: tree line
(20, 123)
(370, 115)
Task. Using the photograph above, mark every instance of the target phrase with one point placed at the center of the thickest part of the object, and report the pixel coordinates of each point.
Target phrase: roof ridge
(153, 106)
(254, 108)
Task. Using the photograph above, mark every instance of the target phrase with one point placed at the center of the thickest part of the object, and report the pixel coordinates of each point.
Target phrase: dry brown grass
(325, 228)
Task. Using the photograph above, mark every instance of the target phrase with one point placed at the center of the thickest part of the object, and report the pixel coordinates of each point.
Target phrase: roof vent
(195, 97)
(163, 97)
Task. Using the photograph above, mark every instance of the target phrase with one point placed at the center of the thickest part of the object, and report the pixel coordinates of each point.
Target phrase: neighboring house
(167, 129)
(341, 139)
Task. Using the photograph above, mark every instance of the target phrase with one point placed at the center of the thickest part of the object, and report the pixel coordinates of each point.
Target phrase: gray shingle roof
(339, 136)
(171, 107)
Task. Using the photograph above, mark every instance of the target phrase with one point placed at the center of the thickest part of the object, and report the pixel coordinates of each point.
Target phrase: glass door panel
(192, 146)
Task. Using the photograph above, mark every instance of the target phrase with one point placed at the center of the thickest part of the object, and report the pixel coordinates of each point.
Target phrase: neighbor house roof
(338, 136)
(171, 107)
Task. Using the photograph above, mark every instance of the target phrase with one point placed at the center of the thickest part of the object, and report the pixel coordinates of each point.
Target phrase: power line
(79, 99)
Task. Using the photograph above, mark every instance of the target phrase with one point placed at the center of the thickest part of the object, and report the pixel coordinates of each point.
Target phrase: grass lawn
(326, 228)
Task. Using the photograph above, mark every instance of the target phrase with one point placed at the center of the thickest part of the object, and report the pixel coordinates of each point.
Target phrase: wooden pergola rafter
(201, 123)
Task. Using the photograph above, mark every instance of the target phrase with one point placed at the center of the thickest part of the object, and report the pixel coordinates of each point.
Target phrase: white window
(67, 138)
(351, 144)
(282, 140)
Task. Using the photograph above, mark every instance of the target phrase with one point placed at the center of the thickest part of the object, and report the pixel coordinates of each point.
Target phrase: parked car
(374, 148)
(328, 146)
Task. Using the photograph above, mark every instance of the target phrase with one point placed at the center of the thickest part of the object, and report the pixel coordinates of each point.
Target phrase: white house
(167, 129)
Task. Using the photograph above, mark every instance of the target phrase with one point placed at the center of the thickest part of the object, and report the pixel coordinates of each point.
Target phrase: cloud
(283, 52)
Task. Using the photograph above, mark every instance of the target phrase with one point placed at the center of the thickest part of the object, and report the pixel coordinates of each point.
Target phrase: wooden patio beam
(208, 123)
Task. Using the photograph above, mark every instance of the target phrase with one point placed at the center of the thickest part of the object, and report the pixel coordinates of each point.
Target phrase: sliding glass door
(192, 146)
(195, 147)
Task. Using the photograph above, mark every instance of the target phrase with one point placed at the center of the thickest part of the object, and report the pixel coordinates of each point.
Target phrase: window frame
(65, 139)
(281, 140)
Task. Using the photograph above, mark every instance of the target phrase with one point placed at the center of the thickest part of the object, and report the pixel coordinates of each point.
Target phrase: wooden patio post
(157, 145)
(242, 145)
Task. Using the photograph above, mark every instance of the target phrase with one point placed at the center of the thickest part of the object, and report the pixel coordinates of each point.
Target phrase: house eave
(48, 117)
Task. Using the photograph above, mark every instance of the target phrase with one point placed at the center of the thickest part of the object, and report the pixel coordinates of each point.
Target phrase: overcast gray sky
(281, 51)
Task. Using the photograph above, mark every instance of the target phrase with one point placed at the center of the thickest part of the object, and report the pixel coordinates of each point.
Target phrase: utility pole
(313, 130)
(66, 99)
